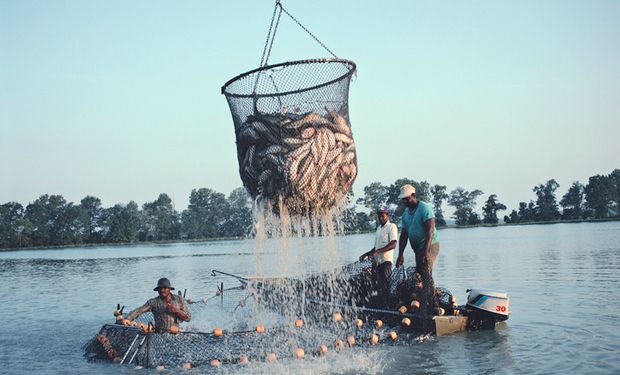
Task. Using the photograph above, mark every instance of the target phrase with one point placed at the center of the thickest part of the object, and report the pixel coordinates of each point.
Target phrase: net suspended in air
(292, 127)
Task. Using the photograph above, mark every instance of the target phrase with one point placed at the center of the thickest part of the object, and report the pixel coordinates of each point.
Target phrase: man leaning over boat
(168, 309)
(418, 226)
(382, 254)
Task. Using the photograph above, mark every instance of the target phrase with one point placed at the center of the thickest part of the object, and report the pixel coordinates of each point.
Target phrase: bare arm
(139, 311)
(402, 243)
(182, 312)
(366, 254)
(388, 247)
(430, 230)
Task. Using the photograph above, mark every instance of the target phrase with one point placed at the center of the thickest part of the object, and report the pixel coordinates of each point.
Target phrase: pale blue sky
(121, 100)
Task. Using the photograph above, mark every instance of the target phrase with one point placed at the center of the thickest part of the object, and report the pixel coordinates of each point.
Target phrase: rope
(273, 16)
(308, 31)
(271, 36)
(275, 30)
(360, 308)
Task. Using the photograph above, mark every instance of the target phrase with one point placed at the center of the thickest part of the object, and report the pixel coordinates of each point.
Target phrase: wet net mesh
(294, 139)
(316, 311)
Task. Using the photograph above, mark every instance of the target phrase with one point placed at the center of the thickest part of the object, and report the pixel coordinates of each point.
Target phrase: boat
(320, 313)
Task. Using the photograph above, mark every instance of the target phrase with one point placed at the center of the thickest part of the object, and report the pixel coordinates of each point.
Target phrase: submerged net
(294, 139)
(313, 330)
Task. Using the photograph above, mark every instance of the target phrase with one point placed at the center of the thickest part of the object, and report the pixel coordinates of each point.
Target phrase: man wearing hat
(382, 254)
(168, 309)
(418, 226)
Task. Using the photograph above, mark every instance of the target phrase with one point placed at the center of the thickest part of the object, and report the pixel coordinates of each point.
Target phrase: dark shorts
(432, 257)
(384, 275)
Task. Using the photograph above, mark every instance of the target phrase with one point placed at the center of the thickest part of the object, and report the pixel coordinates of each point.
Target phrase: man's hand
(172, 309)
(400, 260)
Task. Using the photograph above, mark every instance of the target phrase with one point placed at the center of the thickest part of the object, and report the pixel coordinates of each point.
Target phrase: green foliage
(206, 214)
(375, 195)
(238, 219)
(546, 205)
(11, 216)
(572, 202)
(464, 203)
(599, 195)
(161, 221)
(489, 211)
(514, 217)
(614, 180)
(439, 195)
(51, 220)
(91, 216)
(122, 223)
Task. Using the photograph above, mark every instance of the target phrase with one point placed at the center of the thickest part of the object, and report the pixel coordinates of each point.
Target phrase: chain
(269, 37)
(306, 30)
(273, 28)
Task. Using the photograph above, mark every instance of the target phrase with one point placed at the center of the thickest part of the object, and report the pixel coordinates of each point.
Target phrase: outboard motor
(486, 307)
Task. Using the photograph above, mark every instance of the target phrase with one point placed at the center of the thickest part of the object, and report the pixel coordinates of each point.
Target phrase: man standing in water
(169, 310)
(382, 254)
(418, 225)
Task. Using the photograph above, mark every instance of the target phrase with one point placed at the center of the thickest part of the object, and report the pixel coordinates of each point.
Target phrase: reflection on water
(563, 282)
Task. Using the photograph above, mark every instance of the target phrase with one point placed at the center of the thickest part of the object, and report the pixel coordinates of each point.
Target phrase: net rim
(352, 68)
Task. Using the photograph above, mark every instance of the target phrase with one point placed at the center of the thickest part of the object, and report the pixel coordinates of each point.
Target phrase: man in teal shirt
(418, 226)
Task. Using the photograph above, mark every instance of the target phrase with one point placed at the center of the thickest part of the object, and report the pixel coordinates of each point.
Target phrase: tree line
(599, 198)
(52, 221)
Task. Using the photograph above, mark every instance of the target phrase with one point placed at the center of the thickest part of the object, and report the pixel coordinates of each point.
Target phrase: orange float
(374, 339)
(351, 340)
(299, 353)
(337, 317)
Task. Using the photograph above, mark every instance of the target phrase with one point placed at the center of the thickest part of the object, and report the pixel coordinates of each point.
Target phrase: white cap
(406, 191)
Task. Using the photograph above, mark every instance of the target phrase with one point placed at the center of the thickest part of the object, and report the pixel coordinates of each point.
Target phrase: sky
(121, 100)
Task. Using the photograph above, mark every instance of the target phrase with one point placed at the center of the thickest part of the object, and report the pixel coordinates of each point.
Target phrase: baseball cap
(406, 191)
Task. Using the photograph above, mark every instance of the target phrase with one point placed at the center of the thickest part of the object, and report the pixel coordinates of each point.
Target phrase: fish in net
(294, 140)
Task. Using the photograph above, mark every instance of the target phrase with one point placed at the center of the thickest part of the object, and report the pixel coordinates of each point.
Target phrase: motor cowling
(489, 301)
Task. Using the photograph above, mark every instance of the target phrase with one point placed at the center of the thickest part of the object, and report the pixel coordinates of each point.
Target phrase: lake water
(563, 281)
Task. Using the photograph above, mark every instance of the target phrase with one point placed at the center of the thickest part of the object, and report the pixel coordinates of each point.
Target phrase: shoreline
(171, 242)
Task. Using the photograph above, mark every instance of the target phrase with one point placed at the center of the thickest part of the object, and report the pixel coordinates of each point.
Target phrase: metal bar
(137, 350)
(215, 272)
(368, 309)
(129, 349)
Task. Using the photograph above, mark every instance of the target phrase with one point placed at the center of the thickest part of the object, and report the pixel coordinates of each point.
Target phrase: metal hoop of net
(294, 139)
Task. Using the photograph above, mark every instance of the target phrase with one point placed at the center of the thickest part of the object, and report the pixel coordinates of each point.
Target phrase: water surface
(563, 282)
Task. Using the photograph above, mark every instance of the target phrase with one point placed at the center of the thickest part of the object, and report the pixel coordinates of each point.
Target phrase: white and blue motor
(489, 301)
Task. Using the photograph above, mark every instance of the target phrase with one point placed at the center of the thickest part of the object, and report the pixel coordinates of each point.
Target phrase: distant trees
(489, 211)
(599, 195)
(464, 203)
(439, 195)
(572, 202)
(51, 220)
(546, 205)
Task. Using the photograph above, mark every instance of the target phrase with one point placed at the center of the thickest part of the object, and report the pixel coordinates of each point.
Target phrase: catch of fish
(308, 161)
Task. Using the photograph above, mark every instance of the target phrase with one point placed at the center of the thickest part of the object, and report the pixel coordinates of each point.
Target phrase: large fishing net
(323, 326)
(294, 139)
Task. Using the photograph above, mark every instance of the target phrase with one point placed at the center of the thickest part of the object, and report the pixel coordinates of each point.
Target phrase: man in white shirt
(382, 254)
